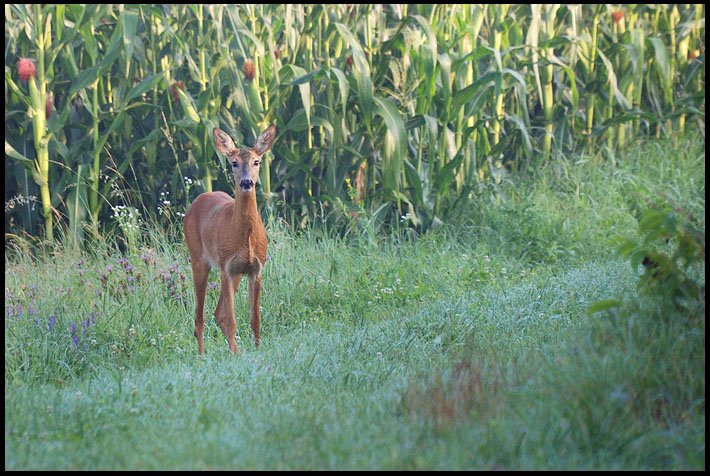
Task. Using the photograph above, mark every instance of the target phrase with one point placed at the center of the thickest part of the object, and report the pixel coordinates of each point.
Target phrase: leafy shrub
(670, 247)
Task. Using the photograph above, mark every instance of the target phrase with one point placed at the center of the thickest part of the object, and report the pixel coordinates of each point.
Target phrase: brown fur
(228, 234)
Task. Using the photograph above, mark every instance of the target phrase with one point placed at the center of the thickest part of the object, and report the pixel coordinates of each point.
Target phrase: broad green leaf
(188, 106)
(144, 86)
(395, 142)
(361, 70)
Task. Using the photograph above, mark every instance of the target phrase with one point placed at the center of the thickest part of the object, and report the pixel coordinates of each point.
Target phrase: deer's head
(245, 162)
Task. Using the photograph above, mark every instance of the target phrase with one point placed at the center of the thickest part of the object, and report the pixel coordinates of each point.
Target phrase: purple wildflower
(76, 341)
(173, 267)
(52, 322)
(147, 258)
(73, 328)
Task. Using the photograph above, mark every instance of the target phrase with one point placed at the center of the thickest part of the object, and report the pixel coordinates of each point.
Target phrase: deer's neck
(246, 214)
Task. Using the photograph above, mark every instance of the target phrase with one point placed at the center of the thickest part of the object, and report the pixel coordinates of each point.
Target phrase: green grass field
(466, 348)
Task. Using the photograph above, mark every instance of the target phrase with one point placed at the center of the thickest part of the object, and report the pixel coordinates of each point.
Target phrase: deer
(228, 235)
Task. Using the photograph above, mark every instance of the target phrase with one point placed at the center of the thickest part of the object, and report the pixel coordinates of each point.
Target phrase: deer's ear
(264, 141)
(222, 141)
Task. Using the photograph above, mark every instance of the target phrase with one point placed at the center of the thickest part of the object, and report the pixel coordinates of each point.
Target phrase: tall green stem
(39, 121)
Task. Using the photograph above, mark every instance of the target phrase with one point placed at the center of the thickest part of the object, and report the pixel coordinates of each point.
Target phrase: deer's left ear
(264, 141)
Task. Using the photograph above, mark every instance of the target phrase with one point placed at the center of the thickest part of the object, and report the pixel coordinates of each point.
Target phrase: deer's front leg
(225, 309)
(254, 296)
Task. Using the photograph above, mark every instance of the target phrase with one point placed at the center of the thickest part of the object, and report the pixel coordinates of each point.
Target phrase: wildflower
(52, 322)
(147, 258)
(108, 268)
(76, 341)
(26, 68)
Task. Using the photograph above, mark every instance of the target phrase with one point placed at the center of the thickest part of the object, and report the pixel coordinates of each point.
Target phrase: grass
(468, 348)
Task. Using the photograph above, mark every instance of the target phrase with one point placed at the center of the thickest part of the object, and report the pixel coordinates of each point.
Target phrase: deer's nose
(246, 184)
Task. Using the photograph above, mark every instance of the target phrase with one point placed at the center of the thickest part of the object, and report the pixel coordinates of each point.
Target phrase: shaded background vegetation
(397, 114)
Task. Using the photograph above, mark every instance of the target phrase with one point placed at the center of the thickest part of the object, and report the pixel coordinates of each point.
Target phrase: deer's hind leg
(200, 275)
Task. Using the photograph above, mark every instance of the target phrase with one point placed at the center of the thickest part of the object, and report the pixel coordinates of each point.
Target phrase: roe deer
(227, 234)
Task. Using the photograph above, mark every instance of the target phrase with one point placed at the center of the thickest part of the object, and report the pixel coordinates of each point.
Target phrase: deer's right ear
(222, 141)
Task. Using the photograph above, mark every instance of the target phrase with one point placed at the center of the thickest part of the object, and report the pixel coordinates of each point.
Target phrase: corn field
(385, 113)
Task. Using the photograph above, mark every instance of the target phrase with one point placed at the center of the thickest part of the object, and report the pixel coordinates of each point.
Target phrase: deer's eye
(256, 163)
(234, 164)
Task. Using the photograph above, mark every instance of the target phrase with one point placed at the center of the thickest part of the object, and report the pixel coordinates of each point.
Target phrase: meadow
(514, 336)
